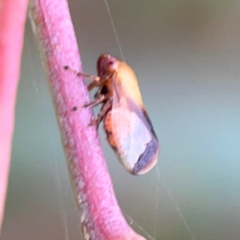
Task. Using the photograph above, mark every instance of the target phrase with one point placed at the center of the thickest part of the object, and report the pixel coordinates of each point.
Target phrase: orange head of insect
(106, 66)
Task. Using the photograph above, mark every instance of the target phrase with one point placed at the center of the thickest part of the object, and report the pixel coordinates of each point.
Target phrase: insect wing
(131, 133)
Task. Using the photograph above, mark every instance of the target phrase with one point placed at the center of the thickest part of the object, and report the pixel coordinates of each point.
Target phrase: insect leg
(94, 84)
(97, 81)
(99, 99)
(94, 78)
(102, 113)
(95, 102)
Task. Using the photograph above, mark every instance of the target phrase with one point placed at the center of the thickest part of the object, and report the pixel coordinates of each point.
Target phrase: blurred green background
(186, 55)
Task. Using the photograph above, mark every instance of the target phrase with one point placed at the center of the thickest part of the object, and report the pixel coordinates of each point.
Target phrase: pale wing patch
(131, 134)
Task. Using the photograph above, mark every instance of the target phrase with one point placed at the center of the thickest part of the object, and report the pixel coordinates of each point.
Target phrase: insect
(126, 123)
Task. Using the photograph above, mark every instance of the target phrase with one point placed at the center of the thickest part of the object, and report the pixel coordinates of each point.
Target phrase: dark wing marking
(149, 156)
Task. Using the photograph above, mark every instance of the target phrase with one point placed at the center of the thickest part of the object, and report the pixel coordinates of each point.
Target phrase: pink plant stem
(100, 214)
(12, 22)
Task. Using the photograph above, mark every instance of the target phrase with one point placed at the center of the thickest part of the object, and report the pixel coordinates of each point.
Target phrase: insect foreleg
(94, 78)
